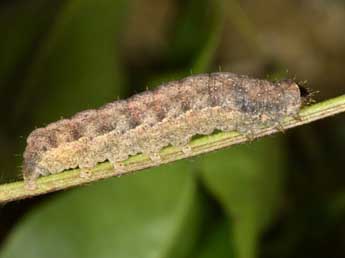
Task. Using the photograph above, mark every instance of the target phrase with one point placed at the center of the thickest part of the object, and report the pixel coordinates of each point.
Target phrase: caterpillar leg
(248, 133)
(186, 149)
(85, 173)
(297, 117)
(119, 167)
(279, 127)
(30, 183)
(155, 158)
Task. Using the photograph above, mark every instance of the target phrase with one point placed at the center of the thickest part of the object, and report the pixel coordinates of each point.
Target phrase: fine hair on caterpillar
(307, 94)
(171, 114)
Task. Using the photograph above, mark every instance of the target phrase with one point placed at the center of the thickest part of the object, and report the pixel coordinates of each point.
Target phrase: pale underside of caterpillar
(169, 115)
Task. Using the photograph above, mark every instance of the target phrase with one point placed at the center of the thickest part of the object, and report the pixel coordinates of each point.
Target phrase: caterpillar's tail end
(29, 179)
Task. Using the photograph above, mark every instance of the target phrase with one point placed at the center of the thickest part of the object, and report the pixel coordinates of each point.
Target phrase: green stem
(204, 144)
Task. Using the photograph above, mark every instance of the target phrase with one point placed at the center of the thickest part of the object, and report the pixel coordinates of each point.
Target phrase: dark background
(282, 196)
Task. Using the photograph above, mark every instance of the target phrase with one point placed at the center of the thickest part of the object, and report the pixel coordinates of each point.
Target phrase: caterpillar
(169, 115)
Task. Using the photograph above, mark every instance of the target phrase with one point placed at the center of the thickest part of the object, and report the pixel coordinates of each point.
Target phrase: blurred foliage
(279, 197)
(248, 186)
(217, 242)
(116, 218)
(77, 59)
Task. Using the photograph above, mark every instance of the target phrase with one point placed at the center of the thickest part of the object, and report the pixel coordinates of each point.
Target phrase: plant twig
(17, 190)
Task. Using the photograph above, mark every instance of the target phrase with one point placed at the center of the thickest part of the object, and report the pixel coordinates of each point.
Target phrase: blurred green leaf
(151, 214)
(77, 66)
(208, 50)
(337, 205)
(247, 181)
(193, 44)
(192, 30)
(22, 23)
(217, 242)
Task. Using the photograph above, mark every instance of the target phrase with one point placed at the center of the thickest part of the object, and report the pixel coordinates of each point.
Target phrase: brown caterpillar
(169, 115)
